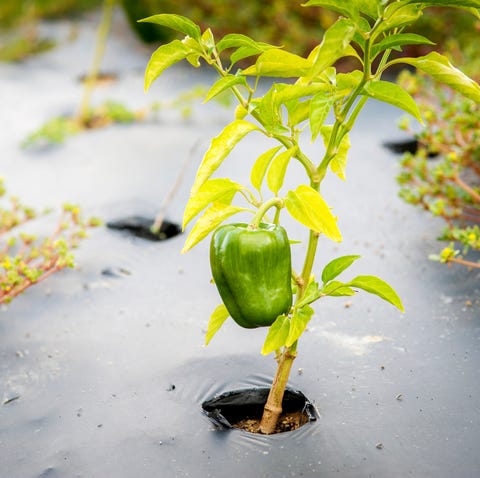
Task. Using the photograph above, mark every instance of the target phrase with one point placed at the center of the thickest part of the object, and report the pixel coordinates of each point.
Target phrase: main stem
(102, 33)
(342, 125)
(273, 407)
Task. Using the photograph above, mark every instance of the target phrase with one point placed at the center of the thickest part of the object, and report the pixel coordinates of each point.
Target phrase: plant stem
(475, 196)
(102, 33)
(157, 225)
(342, 125)
(273, 407)
(464, 262)
(261, 211)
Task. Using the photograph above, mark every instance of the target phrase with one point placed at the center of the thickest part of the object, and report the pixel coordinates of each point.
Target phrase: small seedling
(25, 259)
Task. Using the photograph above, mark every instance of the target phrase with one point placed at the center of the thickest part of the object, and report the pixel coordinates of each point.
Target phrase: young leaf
(164, 57)
(279, 63)
(175, 22)
(212, 218)
(243, 52)
(277, 335)
(439, 68)
(450, 3)
(379, 287)
(298, 111)
(260, 167)
(278, 168)
(369, 7)
(237, 40)
(401, 16)
(337, 266)
(393, 94)
(219, 149)
(223, 84)
(312, 293)
(346, 82)
(335, 41)
(218, 317)
(298, 324)
(347, 9)
(310, 209)
(336, 288)
(269, 111)
(208, 40)
(338, 163)
(214, 190)
(286, 93)
(399, 40)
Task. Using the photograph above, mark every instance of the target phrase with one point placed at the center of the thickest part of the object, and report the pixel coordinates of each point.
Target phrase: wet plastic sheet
(103, 375)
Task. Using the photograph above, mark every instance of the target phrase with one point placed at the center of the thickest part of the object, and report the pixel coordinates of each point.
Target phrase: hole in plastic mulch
(140, 226)
(235, 409)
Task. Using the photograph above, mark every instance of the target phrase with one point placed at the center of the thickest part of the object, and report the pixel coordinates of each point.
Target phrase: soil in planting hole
(288, 422)
(407, 146)
(243, 409)
(101, 79)
(140, 226)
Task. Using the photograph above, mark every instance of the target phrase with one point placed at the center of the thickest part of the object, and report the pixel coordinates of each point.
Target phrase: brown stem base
(273, 407)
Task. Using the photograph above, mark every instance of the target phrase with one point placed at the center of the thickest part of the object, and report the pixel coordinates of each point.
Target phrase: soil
(288, 422)
(102, 79)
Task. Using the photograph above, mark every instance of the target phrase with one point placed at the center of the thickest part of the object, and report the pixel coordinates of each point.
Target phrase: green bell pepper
(252, 271)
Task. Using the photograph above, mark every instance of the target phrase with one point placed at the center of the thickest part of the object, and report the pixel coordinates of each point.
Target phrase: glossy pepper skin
(252, 271)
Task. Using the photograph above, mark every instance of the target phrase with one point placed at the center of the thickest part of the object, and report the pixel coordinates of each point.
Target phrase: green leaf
(237, 40)
(223, 84)
(277, 335)
(218, 317)
(393, 94)
(439, 68)
(475, 12)
(212, 218)
(269, 111)
(369, 7)
(279, 63)
(336, 289)
(347, 9)
(398, 40)
(335, 42)
(298, 324)
(337, 266)
(219, 149)
(379, 287)
(286, 93)
(278, 168)
(310, 209)
(298, 111)
(260, 167)
(214, 190)
(243, 52)
(396, 16)
(348, 81)
(208, 40)
(175, 22)
(338, 163)
(450, 3)
(164, 57)
(312, 293)
(245, 46)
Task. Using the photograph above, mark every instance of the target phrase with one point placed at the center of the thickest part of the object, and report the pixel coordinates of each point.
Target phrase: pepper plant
(442, 176)
(248, 259)
(26, 260)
